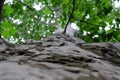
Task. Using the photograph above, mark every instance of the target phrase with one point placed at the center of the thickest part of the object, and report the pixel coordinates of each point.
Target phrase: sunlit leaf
(7, 10)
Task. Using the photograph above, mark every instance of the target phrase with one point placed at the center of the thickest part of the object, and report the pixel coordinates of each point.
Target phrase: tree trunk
(1, 7)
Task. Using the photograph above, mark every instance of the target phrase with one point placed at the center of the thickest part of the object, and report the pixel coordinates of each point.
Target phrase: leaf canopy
(35, 19)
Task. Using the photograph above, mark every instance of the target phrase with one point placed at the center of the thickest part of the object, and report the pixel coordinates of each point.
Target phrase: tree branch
(26, 5)
(1, 8)
(69, 17)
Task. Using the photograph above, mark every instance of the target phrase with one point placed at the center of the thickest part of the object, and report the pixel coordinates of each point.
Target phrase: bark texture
(60, 58)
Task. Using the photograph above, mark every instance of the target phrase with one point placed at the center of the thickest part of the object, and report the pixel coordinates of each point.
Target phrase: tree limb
(69, 17)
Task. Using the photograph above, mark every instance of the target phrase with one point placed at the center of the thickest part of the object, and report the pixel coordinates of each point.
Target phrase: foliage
(21, 21)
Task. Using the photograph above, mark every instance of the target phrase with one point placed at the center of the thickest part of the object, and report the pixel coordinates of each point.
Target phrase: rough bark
(60, 58)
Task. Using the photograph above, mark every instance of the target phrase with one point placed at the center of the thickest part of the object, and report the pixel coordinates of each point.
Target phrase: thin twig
(26, 5)
(69, 17)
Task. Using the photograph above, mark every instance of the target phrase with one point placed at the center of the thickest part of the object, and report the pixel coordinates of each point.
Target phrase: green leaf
(66, 1)
(7, 10)
(110, 31)
(47, 11)
(9, 29)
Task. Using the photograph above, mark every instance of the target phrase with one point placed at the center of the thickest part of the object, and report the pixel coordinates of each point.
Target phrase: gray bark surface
(60, 58)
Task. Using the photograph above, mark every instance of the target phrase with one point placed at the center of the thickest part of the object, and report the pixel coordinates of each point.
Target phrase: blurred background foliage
(98, 20)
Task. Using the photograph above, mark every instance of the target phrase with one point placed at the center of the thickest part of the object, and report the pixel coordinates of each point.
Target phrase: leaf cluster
(98, 20)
